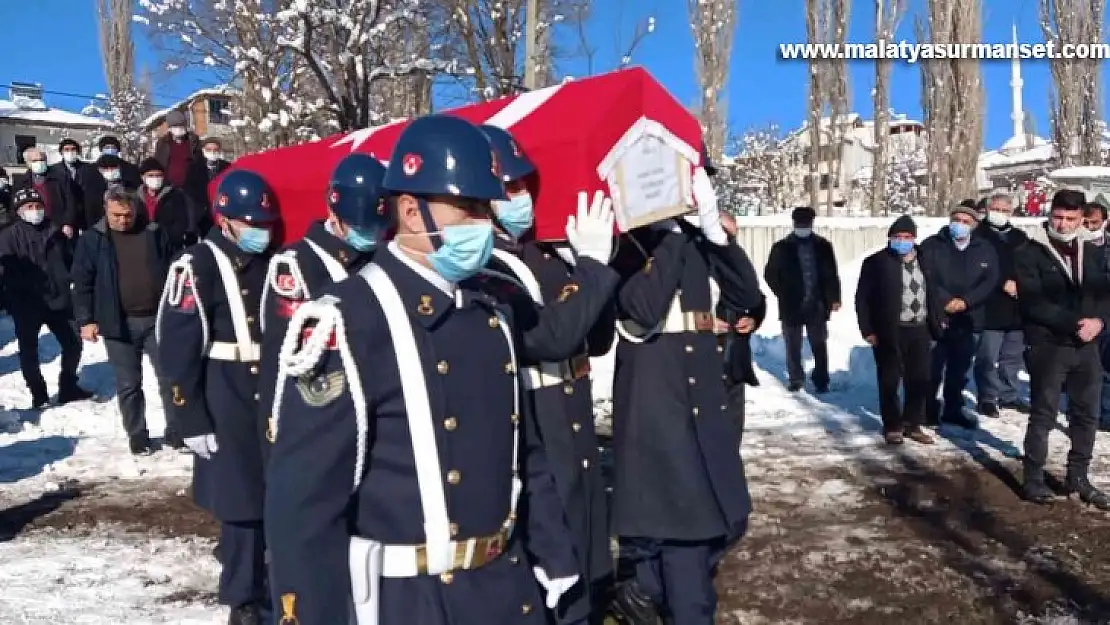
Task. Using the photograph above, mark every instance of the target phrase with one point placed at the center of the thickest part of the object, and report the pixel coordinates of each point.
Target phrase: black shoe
(75, 393)
(794, 387)
(173, 440)
(1034, 489)
(245, 615)
(39, 401)
(1087, 492)
(631, 606)
(1016, 406)
(989, 409)
(140, 445)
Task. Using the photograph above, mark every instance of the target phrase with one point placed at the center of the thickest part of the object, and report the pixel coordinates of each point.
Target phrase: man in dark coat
(802, 273)
(1063, 292)
(892, 308)
(177, 150)
(109, 165)
(962, 271)
(680, 497)
(1001, 350)
(34, 272)
(119, 267)
(77, 174)
(54, 190)
(1094, 231)
(201, 173)
(167, 206)
(208, 336)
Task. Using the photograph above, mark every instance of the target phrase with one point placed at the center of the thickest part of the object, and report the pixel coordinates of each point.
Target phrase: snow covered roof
(36, 112)
(998, 158)
(1083, 171)
(181, 105)
(1018, 143)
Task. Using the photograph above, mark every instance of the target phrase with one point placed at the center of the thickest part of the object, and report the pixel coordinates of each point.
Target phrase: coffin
(620, 132)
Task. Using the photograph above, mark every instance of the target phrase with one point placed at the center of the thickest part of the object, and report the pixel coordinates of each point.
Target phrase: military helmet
(514, 164)
(444, 155)
(244, 195)
(355, 192)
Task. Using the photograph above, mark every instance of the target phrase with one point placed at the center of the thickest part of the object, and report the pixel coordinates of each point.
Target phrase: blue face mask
(515, 214)
(901, 247)
(465, 251)
(362, 239)
(253, 240)
(959, 230)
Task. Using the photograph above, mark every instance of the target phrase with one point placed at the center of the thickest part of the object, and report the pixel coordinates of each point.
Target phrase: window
(22, 142)
(217, 110)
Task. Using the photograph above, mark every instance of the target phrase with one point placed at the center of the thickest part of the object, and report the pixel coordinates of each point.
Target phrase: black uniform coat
(678, 472)
(1053, 301)
(783, 274)
(217, 396)
(277, 310)
(971, 274)
(578, 300)
(1001, 311)
(311, 512)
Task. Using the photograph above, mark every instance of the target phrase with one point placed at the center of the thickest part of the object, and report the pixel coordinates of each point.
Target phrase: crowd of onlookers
(981, 296)
(84, 250)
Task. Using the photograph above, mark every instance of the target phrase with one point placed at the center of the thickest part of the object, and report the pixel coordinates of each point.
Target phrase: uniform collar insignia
(424, 292)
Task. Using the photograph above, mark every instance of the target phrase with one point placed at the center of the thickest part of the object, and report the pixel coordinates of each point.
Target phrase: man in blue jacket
(121, 306)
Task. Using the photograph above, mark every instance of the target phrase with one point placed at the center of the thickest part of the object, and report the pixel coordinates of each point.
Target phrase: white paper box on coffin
(649, 172)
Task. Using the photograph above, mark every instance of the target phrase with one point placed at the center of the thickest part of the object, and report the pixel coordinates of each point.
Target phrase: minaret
(1017, 113)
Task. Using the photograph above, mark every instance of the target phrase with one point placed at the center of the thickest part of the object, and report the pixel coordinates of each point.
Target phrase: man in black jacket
(201, 173)
(892, 308)
(1063, 288)
(119, 267)
(108, 165)
(35, 277)
(1001, 347)
(54, 191)
(962, 271)
(801, 271)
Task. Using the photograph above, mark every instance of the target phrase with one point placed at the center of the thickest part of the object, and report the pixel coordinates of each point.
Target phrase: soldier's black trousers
(243, 556)
(28, 320)
(1079, 371)
(677, 575)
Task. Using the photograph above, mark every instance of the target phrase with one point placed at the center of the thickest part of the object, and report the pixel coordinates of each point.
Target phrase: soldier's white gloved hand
(203, 445)
(590, 233)
(555, 587)
(709, 219)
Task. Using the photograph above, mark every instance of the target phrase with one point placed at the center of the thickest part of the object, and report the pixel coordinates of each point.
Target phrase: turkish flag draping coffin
(621, 133)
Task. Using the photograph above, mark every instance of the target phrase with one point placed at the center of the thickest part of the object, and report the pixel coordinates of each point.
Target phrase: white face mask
(153, 183)
(111, 175)
(1062, 237)
(69, 157)
(998, 218)
(803, 232)
(212, 157)
(33, 216)
(177, 131)
(38, 167)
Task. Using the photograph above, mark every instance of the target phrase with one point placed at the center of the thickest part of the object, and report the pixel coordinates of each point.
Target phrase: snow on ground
(803, 453)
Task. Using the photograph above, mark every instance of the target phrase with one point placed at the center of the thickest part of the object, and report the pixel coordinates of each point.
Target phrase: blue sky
(60, 51)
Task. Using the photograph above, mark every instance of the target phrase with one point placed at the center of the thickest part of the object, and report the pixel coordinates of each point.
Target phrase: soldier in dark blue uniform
(332, 249)
(560, 391)
(397, 464)
(680, 496)
(208, 343)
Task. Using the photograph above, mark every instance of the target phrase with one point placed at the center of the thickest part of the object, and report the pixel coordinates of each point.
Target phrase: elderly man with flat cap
(962, 268)
(801, 271)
